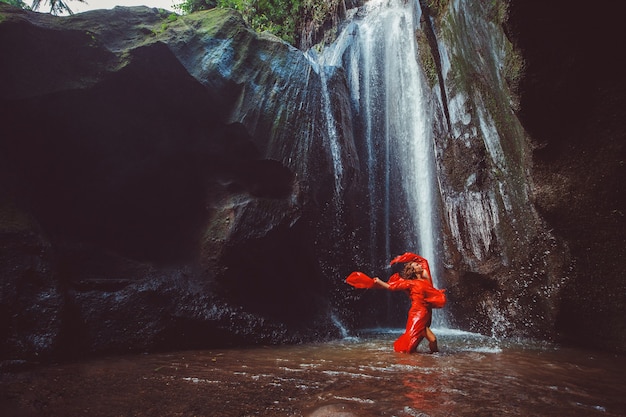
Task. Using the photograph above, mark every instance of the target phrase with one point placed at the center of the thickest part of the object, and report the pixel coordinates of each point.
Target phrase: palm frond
(57, 7)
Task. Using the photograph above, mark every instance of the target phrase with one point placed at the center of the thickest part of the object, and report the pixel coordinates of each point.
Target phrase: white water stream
(378, 52)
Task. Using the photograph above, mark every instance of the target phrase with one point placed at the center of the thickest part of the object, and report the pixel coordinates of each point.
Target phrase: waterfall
(333, 137)
(378, 52)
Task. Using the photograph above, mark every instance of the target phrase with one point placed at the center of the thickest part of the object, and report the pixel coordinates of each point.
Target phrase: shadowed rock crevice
(573, 102)
(99, 173)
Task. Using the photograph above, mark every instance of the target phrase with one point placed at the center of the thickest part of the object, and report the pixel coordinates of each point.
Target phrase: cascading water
(398, 162)
(378, 52)
(331, 129)
(386, 86)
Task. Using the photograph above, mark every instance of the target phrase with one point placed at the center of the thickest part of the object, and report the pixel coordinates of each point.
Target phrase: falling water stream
(378, 53)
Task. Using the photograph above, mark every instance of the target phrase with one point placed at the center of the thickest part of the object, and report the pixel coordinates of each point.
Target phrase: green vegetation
(279, 17)
(284, 18)
(190, 6)
(498, 11)
(16, 3)
(426, 58)
(437, 7)
(514, 66)
(167, 18)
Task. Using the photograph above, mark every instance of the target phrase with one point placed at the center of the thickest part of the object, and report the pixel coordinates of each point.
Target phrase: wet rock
(572, 104)
(119, 149)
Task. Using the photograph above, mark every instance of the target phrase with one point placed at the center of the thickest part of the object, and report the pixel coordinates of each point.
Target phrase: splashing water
(360, 377)
(340, 326)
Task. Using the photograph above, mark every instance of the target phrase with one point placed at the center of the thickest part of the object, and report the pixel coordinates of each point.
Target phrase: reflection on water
(471, 376)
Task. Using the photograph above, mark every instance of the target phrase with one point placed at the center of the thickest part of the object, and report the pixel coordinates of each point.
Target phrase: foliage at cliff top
(286, 19)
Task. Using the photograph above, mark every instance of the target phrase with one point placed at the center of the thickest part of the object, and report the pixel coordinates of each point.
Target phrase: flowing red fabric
(406, 257)
(423, 297)
(360, 280)
(437, 298)
(394, 278)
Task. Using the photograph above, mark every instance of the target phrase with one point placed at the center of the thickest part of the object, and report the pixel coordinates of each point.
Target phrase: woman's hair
(409, 272)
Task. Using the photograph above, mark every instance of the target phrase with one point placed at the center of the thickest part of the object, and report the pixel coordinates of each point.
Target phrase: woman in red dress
(417, 283)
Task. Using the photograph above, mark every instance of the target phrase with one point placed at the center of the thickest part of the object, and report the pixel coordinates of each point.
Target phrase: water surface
(471, 376)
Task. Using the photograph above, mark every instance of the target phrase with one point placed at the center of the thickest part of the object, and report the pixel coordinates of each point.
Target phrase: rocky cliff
(134, 214)
(572, 104)
(180, 181)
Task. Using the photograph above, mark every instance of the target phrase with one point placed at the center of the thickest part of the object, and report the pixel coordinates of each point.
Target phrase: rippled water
(471, 376)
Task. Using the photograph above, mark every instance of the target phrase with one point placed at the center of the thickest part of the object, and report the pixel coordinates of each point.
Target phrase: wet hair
(409, 272)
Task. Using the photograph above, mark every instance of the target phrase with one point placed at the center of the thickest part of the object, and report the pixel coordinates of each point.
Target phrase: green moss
(437, 8)
(514, 67)
(165, 14)
(480, 84)
(214, 21)
(285, 19)
(168, 18)
(498, 11)
(426, 58)
(220, 23)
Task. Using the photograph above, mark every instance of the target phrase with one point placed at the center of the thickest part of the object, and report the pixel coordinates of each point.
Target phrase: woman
(418, 284)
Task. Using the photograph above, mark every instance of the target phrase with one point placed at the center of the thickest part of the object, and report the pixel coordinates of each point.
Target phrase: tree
(16, 3)
(56, 6)
(190, 6)
(280, 17)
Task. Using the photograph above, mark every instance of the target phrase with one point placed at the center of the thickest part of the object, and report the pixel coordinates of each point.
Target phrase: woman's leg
(432, 340)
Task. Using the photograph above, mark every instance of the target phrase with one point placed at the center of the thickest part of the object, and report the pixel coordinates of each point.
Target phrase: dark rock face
(573, 103)
(32, 298)
(500, 263)
(134, 215)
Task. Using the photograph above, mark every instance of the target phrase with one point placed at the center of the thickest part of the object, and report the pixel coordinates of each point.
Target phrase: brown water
(471, 376)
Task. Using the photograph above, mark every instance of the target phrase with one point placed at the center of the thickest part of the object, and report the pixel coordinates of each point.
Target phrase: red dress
(423, 298)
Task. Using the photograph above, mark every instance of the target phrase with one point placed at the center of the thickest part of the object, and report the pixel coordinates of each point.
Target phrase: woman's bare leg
(432, 340)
